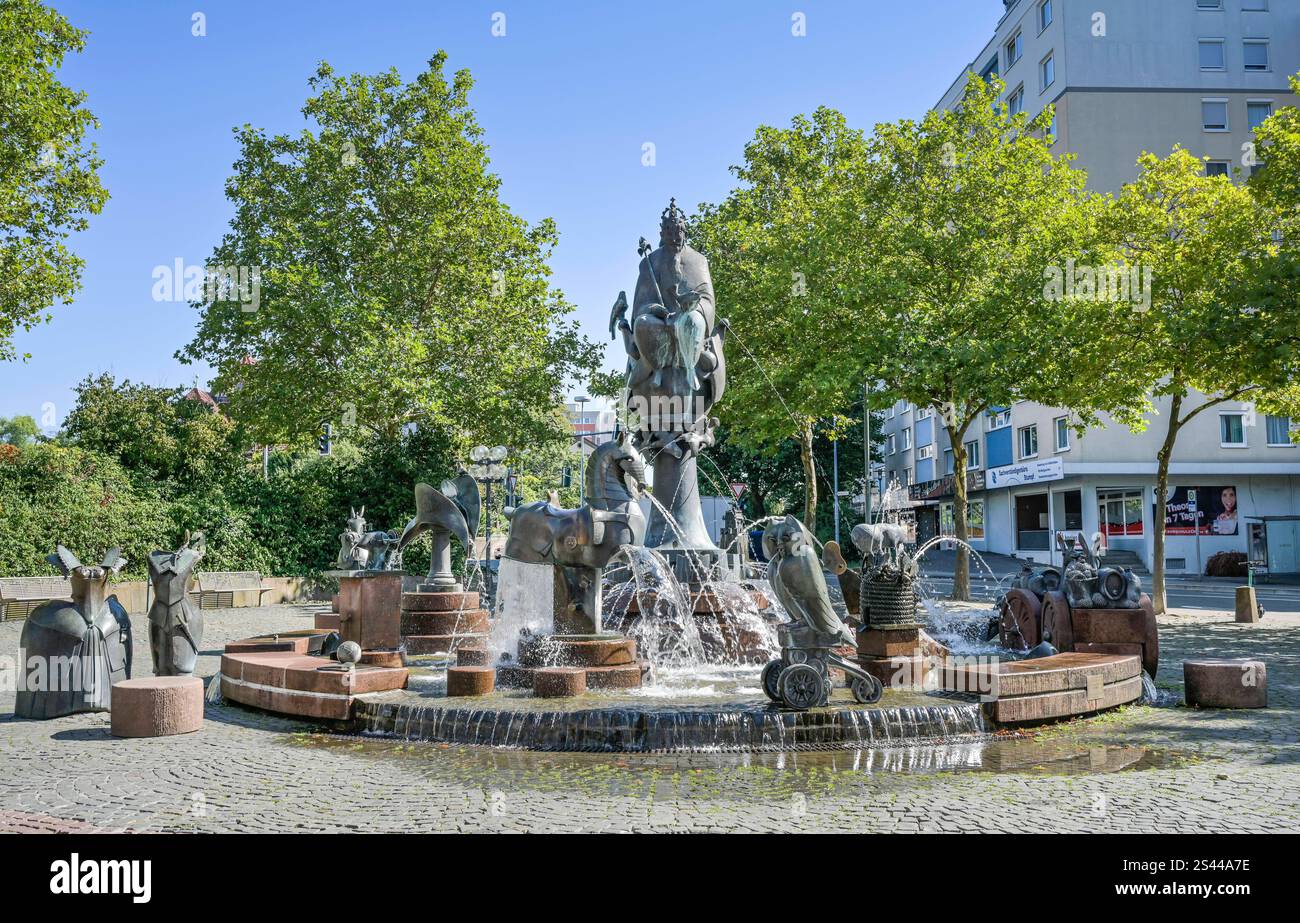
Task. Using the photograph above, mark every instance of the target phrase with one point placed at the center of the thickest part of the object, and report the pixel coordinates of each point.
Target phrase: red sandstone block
(157, 706)
(618, 676)
(555, 682)
(889, 642)
(439, 644)
(438, 622)
(1208, 683)
(328, 621)
(439, 602)
(470, 680)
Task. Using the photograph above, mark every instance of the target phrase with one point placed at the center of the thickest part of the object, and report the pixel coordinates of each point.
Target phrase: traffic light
(325, 441)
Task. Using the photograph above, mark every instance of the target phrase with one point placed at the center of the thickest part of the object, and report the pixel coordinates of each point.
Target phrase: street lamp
(488, 468)
(581, 400)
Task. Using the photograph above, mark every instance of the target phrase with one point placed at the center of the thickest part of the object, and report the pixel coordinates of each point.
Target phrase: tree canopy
(49, 182)
(396, 287)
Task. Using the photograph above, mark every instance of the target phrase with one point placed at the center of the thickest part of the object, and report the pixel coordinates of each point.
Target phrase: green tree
(49, 180)
(919, 260)
(1208, 337)
(19, 430)
(769, 242)
(395, 285)
(155, 433)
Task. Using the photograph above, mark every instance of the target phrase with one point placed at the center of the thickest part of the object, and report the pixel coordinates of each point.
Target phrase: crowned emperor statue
(676, 373)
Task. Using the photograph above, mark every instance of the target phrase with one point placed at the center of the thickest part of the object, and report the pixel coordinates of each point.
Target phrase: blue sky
(567, 98)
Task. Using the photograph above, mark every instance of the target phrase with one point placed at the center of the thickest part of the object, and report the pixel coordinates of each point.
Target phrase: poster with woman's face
(1201, 510)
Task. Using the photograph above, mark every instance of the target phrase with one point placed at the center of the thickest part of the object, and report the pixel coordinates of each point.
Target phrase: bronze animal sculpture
(363, 550)
(74, 650)
(801, 677)
(581, 541)
(175, 626)
(452, 511)
(877, 539)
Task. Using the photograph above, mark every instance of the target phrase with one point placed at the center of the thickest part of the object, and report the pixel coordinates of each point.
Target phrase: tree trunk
(1162, 491)
(809, 477)
(961, 572)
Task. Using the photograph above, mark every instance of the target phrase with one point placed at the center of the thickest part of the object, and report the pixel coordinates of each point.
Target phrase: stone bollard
(157, 706)
(1247, 604)
(557, 682)
(464, 680)
(1225, 683)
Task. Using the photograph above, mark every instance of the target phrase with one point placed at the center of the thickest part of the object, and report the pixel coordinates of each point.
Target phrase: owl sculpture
(795, 572)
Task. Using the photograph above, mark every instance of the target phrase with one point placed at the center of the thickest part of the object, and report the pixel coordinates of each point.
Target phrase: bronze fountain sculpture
(580, 542)
(676, 374)
(175, 626)
(75, 650)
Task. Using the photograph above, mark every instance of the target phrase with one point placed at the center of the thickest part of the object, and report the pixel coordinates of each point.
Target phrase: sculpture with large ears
(175, 626)
(74, 650)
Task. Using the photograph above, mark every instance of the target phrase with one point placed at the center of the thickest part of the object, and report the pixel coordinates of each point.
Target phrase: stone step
(441, 644)
(1128, 559)
(436, 622)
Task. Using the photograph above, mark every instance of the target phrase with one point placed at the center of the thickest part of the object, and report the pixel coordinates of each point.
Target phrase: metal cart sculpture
(801, 677)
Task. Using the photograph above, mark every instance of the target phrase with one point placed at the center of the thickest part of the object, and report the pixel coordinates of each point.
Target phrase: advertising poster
(1201, 510)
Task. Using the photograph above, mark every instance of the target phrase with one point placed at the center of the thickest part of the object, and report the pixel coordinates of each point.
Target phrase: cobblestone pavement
(1135, 769)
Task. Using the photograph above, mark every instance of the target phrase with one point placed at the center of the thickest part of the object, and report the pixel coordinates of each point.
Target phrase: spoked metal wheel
(867, 690)
(802, 686)
(771, 679)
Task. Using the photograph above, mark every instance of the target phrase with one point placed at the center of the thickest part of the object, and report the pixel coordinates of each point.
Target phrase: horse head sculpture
(581, 541)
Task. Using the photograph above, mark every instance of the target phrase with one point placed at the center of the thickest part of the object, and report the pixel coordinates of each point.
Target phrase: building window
(1217, 168)
(924, 413)
(999, 418)
(1209, 4)
(1254, 6)
(974, 519)
(892, 446)
(1044, 15)
(907, 438)
(1016, 101)
(1120, 513)
(1028, 441)
(925, 451)
(1258, 112)
(972, 455)
(1015, 47)
(1255, 54)
(1047, 71)
(1214, 114)
(1279, 430)
(1232, 434)
(1062, 427)
(990, 70)
(904, 476)
(1211, 52)
(948, 464)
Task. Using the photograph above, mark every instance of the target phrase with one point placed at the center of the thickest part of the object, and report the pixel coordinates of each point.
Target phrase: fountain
(617, 629)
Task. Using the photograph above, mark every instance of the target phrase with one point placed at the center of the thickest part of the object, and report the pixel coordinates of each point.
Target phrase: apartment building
(1125, 76)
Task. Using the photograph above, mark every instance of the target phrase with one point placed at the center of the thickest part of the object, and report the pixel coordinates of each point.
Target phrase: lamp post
(488, 468)
(581, 401)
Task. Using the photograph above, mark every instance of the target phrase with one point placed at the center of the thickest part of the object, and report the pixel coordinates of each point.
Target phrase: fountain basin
(629, 724)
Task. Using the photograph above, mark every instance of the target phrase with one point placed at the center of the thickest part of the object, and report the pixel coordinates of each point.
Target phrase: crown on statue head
(672, 223)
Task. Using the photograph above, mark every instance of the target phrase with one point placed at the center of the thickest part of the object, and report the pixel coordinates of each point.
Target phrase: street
(1198, 596)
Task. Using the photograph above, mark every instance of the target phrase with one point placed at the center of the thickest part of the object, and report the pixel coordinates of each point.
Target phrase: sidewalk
(940, 563)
